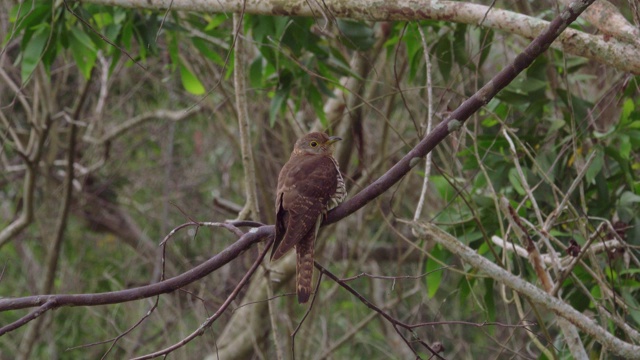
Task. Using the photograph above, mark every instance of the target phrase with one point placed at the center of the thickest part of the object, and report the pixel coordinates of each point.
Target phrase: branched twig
(533, 293)
(210, 320)
(104, 38)
(571, 336)
(306, 314)
(32, 159)
(53, 253)
(394, 278)
(121, 335)
(427, 163)
(225, 256)
(396, 323)
(172, 115)
(229, 226)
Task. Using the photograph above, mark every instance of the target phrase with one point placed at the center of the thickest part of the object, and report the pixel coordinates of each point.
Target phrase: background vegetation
(143, 103)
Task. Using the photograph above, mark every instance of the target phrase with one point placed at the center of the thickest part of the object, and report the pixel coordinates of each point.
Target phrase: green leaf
(282, 93)
(28, 17)
(514, 179)
(489, 300)
(356, 34)
(459, 46)
(632, 301)
(628, 198)
(83, 51)
(255, 73)
(596, 166)
(174, 52)
(33, 52)
(276, 104)
(625, 146)
(434, 279)
(204, 47)
(315, 98)
(215, 20)
(556, 124)
(627, 109)
(190, 81)
(489, 122)
(486, 39)
(628, 206)
(443, 49)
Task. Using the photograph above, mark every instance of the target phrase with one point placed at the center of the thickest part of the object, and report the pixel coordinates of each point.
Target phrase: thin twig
(427, 161)
(251, 208)
(534, 294)
(210, 320)
(396, 323)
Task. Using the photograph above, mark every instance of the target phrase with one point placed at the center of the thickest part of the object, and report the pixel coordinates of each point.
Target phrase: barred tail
(304, 266)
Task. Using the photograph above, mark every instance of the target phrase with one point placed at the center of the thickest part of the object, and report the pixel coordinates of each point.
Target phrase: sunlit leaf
(190, 81)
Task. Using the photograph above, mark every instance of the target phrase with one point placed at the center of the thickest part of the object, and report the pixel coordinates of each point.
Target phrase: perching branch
(392, 176)
(462, 113)
(115, 297)
(211, 319)
(396, 173)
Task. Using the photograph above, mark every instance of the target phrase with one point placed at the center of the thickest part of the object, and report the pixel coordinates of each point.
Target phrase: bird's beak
(333, 139)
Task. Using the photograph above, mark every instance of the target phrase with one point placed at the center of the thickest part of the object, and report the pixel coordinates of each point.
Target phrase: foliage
(563, 119)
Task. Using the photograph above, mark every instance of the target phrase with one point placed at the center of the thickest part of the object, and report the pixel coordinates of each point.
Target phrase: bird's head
(315, 143)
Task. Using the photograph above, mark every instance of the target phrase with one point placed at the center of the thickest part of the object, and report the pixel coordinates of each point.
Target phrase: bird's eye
(313, 143)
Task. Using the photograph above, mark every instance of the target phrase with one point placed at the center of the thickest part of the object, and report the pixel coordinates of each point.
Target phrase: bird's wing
(304, 189)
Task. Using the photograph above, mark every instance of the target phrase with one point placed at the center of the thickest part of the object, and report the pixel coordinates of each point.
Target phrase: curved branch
(211, 319)
(172, 115)
(163, 287)
(29, 185)
(603, 49)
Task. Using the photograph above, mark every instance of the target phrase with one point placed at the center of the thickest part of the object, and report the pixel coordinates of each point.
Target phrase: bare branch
(171, 115)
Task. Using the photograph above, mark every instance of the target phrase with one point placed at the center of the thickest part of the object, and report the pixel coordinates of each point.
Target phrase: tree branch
(461, 114)
(173, 115)
(251, 208)
(536, 295)
(225, 256)
(606, 50)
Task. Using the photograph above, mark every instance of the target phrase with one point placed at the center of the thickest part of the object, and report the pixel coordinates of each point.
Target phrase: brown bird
(309, 185)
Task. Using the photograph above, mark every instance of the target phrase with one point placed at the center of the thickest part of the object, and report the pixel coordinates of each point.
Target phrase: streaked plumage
(309, 185)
